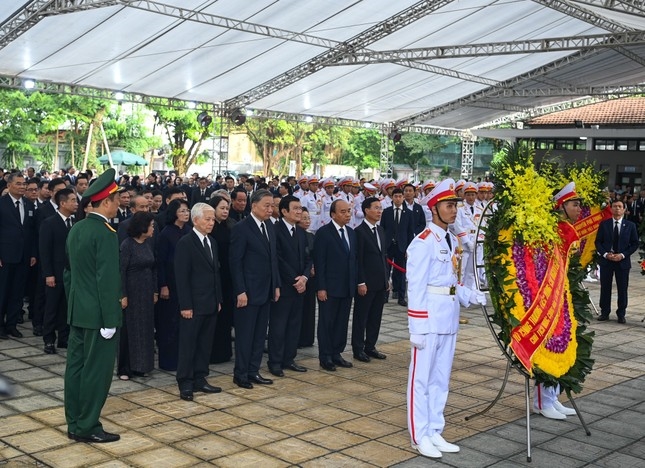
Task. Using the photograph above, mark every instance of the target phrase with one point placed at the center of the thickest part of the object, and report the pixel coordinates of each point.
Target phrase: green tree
(184, 132)
(363, 149)
(415, 149)
(128, 131)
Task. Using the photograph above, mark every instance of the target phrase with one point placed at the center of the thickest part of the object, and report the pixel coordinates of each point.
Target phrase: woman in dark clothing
(222, 344)
(167, 309)
(139, 289)
(308, 326)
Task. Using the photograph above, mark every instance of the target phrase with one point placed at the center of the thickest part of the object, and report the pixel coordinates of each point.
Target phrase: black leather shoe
(361, 356)
(258, 379)
(402, 302)
(296, 368)
(622, 320)
(277, 372)
(50, 348)
(21, 318)
(343, 363)
(375, 354)
(328, 366)
(186, 395)
(603, 318)
(242, 383)
(38, 330)
(62, 345)
(99, 438)
(14, 332)
(207, 388)
(71, 435)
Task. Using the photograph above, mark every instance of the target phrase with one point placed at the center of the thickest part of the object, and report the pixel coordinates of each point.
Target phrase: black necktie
(18, 210)
(68, 222)
(293, 231)
(342, 235)
(378, 241)
(396, 216)
(448, 240)
(264, 231)
(209, 252)
(615, 239)
(472, 209)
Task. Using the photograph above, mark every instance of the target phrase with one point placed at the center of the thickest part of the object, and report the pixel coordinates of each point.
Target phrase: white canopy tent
(404, 64)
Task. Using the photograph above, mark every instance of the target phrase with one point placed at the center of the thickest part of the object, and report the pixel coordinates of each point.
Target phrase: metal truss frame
(386, 167)
(555, 44)
(486, 93)
(634, 7)
(358, 42)
(588, 16)
(27, 16)
(467, 155)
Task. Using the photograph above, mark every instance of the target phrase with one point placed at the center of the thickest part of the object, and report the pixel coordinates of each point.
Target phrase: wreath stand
(511, 360)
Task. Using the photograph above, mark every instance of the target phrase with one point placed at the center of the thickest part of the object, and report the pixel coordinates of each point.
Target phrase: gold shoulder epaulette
(110, 227)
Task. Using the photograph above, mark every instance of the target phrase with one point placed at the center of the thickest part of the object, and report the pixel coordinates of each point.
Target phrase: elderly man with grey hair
(199, 292)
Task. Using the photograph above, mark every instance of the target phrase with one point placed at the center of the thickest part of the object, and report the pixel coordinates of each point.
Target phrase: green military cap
(102, 187)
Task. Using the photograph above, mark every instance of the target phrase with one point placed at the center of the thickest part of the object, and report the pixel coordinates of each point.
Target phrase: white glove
(464, 294)
(108, 333)
(478, 297)
(469, 246)
(418, 341)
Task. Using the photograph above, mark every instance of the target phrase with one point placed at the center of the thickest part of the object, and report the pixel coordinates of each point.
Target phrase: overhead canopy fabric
(334, 58)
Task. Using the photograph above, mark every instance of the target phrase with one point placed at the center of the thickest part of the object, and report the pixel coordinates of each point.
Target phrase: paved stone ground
(352, 417)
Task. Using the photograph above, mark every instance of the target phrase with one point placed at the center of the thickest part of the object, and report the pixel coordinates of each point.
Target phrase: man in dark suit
(138, 203)
(48, 208)
(201, 193)
(199, 292)
(616, 241)
(256, 282)
(398, 223)
(419, 215)
(239, 204)
(294, 266)
(635, 208)
(335, 263)
(51, 241)
(372, 282)
(17, 252)
(123, 212)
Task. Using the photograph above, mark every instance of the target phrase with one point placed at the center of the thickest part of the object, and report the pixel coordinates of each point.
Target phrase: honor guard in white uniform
(468, 217)
(303, 190)
(313, 202)
(326, 199)
(425, 190)
(545, 399)
(357, 212)
(386, 192)
(434, 296)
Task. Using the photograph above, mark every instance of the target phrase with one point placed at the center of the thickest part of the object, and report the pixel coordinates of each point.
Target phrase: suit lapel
(200, 248)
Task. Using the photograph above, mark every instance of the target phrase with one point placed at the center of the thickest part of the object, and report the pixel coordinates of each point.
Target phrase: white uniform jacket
(430, 263)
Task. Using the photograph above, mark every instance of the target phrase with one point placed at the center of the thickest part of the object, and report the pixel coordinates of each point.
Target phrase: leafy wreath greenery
(523, 214)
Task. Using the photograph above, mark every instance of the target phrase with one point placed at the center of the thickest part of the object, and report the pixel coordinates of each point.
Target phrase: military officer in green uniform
(94, 313)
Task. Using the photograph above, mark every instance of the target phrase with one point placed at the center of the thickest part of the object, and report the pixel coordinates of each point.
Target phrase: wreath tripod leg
(575, 407)
(499, 395)
(527, 395)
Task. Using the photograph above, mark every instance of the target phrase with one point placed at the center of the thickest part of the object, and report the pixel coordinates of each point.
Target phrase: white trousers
(545, 397)
(428, 381)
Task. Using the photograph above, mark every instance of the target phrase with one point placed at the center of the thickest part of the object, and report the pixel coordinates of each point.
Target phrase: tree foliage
(184, 133)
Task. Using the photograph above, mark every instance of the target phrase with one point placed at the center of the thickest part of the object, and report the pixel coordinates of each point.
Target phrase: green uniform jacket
(94, 280)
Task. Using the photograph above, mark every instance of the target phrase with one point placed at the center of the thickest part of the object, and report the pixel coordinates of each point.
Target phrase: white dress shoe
(550, 413)
(560, 408)
(442, 445)
(426, 448)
